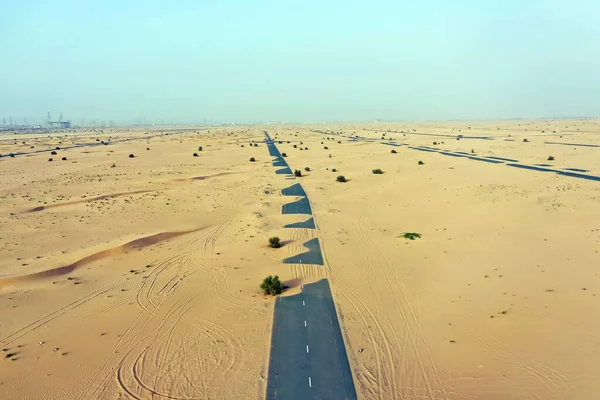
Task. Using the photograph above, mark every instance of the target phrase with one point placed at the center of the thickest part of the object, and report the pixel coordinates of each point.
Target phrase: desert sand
(141, 280)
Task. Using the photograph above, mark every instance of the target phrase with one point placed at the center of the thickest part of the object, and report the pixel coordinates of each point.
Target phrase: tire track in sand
(406, 312)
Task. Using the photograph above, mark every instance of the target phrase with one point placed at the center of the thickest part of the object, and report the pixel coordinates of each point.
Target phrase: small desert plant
(421, 162)
(326, 148)
(147, 148)
(53, 153)
(272, 285)
(12, 155)
(551, 158)
(275, 242)
(283, 155)
(411, 235)
(394, 151)
(114, 165)
(377, 171)
(255, 144)
(333, 170)
(50, 159)
(525, 140)
(199, 148)
(64, 158)
(341, 178)
(252, 159)
(307, 169)
(295, 146)
(131, 156)
(298, 173)
(195, 154)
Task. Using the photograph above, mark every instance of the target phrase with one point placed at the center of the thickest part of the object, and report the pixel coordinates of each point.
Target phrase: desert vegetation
(271, 285)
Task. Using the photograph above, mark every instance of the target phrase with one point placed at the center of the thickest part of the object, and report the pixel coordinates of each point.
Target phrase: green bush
(195, 154)
(307, 169)
(550, 158)
(341, 178)
(283, 155)
(421, 163)
(252, 159)
(377, 171)
(394, 151)
(53, 153)
(131, 156)
(200, 148)
(64, 158)
(275, 242)
(298, 173)
(411, 235)
(271, 285)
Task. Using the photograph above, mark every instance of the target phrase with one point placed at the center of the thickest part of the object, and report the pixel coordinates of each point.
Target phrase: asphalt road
(308, 357)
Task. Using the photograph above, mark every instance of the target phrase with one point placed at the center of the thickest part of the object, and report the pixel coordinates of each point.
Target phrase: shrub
(333, 170)
(307, 169)
(339, 142)
(195, 154)
(295, 146)
(12, 155)
(255, 144)
(114, 165)
(341, 178)
(274, 242)
(147, 148)
(297, 173)
(550, 158)
(64, 158)
(394, 151)
(252, 159)
(421, 163)
(271, 285)
(411, 235)
(57, 148)
(49, 159)
(283, 155)
(306, 148)
(525, 140)
(53, 153)
(378, 171)
(326, 148)
(199, 148)
(131, 156)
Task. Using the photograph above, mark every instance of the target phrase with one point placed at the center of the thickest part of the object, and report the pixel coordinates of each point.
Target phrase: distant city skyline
(190, 62)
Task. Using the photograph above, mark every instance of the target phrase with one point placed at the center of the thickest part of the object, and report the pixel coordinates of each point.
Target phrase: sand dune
(130, 299)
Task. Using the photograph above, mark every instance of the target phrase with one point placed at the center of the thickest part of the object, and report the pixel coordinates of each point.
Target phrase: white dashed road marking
(307, 348)
(309, 382)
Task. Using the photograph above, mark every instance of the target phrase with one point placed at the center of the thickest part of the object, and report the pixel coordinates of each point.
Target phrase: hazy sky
(220, 60)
